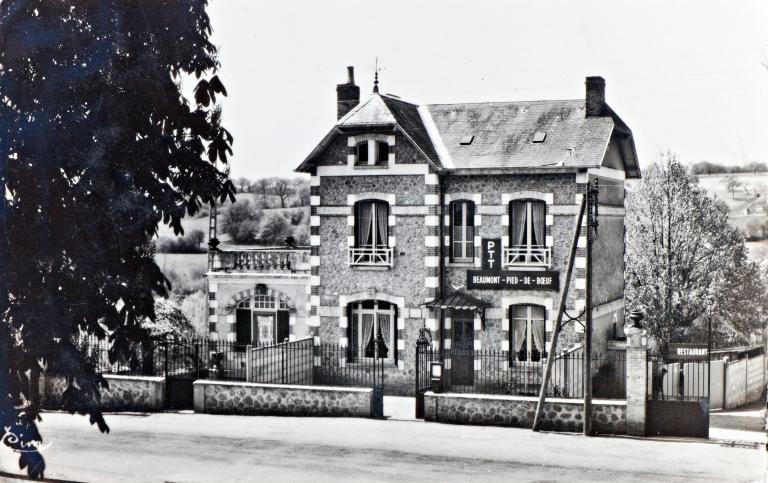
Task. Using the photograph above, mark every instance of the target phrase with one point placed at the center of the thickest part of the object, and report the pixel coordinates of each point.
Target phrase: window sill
(370, 268)
(461, 264)
(525, 268)
(371, 166)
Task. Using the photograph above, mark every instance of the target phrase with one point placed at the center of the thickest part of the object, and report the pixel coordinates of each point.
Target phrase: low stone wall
(609, 417)
(224, 397)
(125, 393)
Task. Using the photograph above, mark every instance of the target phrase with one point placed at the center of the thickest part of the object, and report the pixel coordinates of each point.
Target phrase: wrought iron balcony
(527, 256)
(371, 257)
(261, 260)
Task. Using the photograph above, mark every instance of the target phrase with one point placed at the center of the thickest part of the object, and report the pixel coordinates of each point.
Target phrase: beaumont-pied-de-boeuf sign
(491, 277)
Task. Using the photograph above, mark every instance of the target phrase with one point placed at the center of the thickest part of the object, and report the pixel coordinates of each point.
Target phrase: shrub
(274, 229)
(241, 222)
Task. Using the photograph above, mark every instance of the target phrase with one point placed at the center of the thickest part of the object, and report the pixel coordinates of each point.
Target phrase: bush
(296, 216)
(190, 243)
(194, 307)
(274, 229)
(241, 222)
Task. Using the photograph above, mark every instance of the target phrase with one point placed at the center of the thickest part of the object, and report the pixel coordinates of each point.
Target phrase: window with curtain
(527, 333)
(527, 226)
(372, 319)
(260, 319)
(462, 230)
(371, 224)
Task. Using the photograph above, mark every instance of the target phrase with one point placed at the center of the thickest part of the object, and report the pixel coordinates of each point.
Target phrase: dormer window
(372, 153)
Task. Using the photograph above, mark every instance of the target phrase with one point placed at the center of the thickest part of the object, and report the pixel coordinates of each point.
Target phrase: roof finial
(376, 77)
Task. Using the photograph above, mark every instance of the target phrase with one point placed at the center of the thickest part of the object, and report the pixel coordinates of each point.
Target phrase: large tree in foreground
(98, 146)
(686, 262)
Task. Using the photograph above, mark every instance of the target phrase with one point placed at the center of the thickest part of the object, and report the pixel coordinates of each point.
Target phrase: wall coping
(134, 378)
(497, 397)
(208, 382)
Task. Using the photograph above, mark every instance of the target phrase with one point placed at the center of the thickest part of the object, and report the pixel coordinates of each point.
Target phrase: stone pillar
(637, 379)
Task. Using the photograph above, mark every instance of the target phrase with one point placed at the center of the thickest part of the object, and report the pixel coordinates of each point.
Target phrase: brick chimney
(595, 101)
(347, 95)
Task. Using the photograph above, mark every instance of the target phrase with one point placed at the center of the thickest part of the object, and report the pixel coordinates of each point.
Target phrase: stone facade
(609, 417)
(220, 397)
(125, 393)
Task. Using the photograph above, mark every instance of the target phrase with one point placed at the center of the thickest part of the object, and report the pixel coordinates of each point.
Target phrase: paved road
(179, 447)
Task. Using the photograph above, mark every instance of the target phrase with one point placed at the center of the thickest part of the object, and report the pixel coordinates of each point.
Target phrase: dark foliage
(241, 222)
(189, 243)
(97, 147)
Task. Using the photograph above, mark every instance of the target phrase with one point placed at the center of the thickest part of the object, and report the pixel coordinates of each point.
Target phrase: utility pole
(592, 210)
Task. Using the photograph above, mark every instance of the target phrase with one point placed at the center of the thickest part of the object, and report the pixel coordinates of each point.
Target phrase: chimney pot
(595, 100)
(347, 95)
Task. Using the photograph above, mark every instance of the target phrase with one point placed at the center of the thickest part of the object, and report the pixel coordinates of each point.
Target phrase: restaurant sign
(495, 280)
(688, 352)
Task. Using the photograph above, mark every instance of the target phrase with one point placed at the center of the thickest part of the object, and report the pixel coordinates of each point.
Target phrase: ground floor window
(261, 320)
(369, 320)
(527, 336)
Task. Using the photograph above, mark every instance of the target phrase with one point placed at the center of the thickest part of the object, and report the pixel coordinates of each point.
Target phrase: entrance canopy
(460, 300)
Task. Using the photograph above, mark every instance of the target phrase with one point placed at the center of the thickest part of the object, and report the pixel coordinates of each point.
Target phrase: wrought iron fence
(500, 372)
(350, 366)
(285, 363)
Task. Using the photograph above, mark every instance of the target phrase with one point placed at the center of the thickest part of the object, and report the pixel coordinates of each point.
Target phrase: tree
(100, 146)
(170, 320)
(197, 237)
(283, 189)
(241, 222)
(731, 184)
(274, 229)
(685, 261)
(195, 308)
(243, 185)
(263, 187)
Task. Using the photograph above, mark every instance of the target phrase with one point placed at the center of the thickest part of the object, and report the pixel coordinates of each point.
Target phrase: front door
(463, 358)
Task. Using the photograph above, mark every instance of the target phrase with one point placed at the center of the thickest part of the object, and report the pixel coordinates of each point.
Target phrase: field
(747, 204)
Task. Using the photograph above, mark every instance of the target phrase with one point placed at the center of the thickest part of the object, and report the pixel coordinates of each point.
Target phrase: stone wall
(125, 393)
(519, 411)
(223, 397)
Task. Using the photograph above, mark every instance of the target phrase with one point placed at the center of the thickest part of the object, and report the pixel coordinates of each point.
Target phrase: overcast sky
(687, 76)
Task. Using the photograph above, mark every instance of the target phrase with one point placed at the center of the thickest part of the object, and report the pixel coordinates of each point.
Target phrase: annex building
(454, 217)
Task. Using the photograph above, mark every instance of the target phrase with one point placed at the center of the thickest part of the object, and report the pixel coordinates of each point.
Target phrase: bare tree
(243, 185)
(283, 189)
(263, 187)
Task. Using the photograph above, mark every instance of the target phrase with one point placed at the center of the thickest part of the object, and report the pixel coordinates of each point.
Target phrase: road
(186, 447)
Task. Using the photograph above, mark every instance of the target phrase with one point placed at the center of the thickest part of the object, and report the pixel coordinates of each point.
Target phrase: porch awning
(459, 300)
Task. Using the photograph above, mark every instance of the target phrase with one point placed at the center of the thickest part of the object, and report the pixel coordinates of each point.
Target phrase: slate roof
(502, 133)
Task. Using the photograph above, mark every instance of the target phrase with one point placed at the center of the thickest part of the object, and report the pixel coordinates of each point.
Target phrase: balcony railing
(370, 257)
(268, 260)
(527, 256)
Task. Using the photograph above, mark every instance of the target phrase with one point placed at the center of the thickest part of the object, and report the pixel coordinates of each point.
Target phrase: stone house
(406, 201)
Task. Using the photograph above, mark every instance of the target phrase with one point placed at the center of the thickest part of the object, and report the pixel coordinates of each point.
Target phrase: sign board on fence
(494, 280)
(688, 352)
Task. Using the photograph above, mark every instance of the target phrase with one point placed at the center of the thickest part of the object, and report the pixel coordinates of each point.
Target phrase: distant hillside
(747, 200)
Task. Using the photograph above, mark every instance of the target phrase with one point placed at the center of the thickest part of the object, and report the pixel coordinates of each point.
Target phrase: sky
(688, 76)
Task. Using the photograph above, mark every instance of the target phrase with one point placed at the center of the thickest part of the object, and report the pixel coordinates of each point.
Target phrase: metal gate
(678, 397)
(181, 365)
(425, 355)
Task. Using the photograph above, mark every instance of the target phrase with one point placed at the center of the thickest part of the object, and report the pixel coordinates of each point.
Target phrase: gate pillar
(637, 379)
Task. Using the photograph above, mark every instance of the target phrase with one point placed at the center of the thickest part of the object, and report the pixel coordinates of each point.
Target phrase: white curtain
(519, 315)
(538, 212)
(367, 334)
(384, 326)
(382, 222)
(518, 222)
(537, 327)
(364, 224)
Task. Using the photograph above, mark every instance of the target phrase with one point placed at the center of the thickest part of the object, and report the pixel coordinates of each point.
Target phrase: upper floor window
(462, 230)
(527, 334)
(527, 235)
(372, 153)
(371, 234)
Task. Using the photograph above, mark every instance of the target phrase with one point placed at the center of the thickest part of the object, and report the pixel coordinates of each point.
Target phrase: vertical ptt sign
(491, 254)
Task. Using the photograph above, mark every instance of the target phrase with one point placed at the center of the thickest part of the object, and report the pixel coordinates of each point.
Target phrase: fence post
(637, 380)
(248, 363)
(283, 363)
(197, 359)
(165, 357)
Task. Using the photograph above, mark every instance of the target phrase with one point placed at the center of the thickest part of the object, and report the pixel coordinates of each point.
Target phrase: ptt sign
(491, 254)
